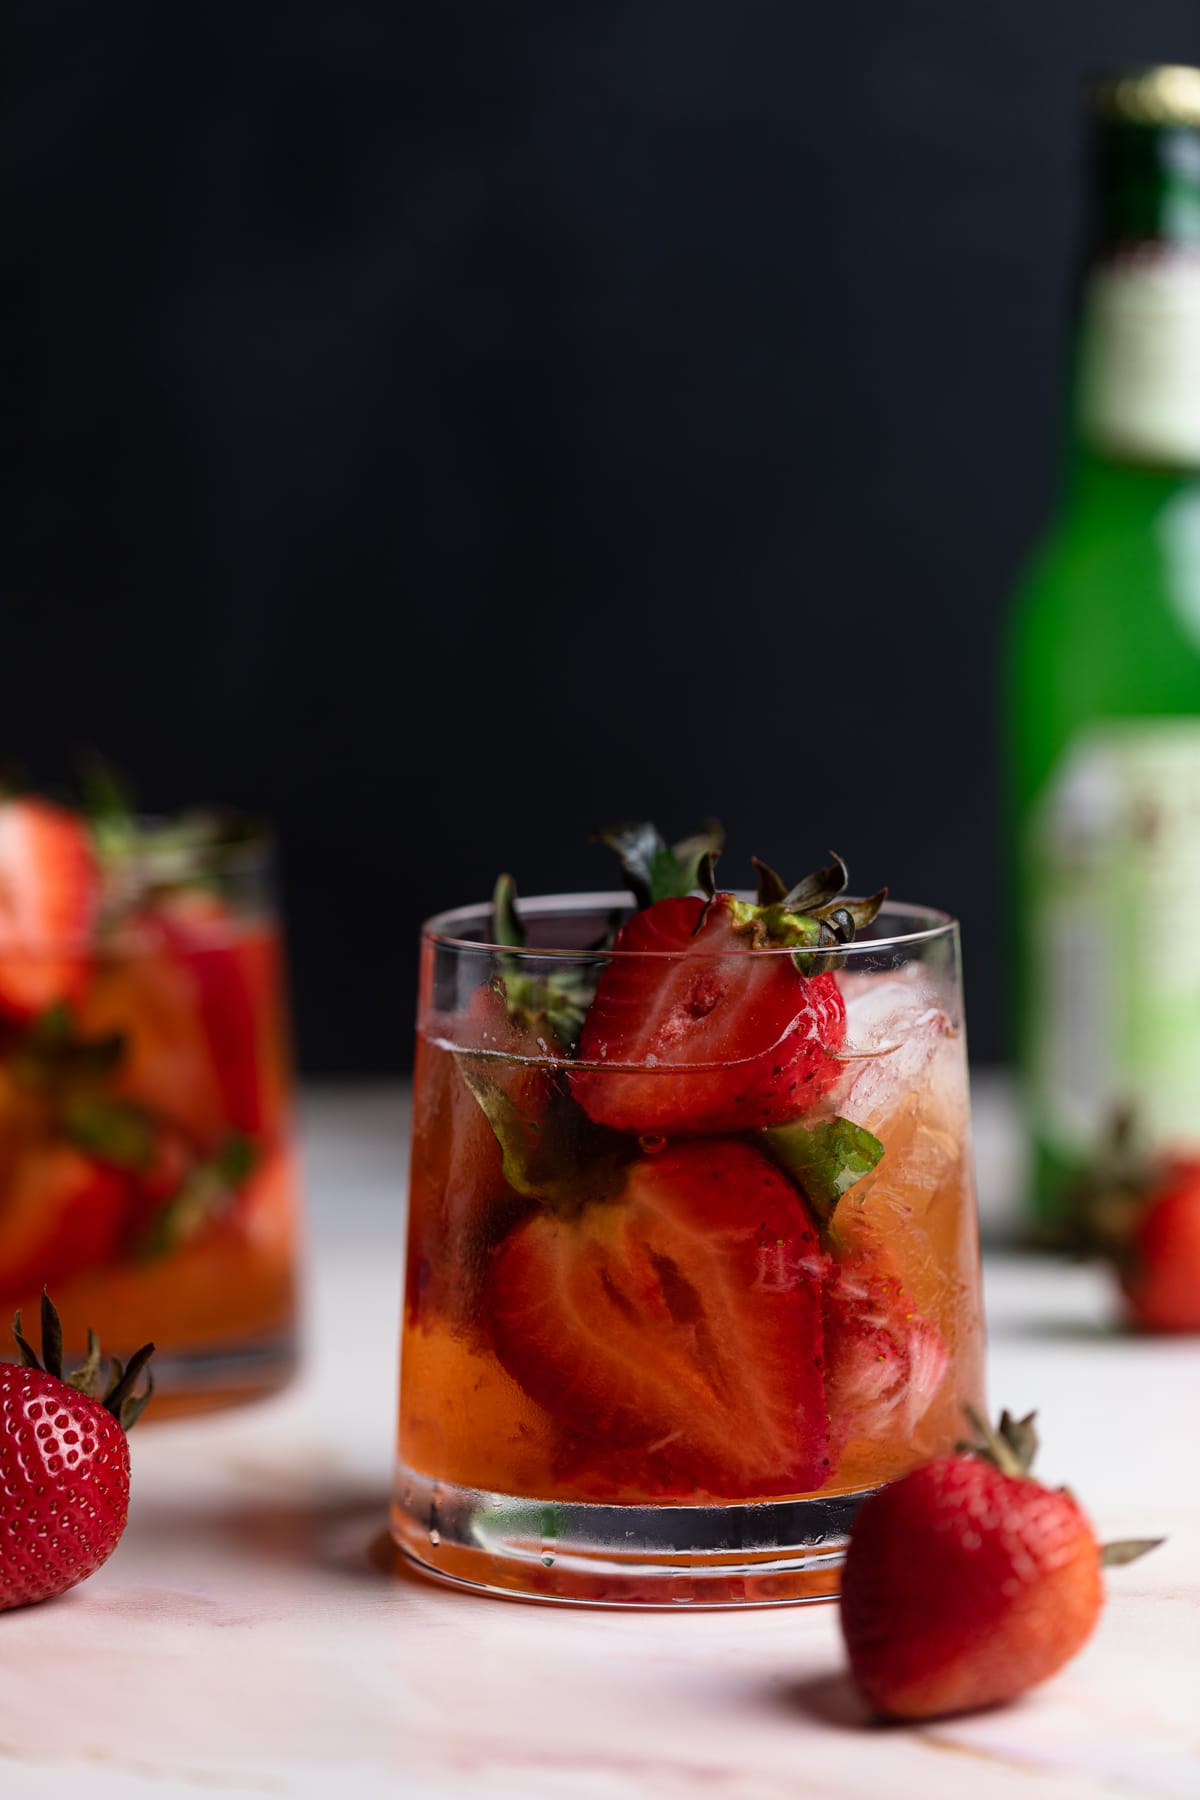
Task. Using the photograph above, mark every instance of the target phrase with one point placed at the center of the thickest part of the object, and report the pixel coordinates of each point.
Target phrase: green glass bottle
(1103, 673)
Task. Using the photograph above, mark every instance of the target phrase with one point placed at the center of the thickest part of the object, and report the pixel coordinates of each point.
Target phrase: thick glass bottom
(771, 1553)
(193, 1381)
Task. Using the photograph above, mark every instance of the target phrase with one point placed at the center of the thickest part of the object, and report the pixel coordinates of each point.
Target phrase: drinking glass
(662, 1367)
(147, 1167)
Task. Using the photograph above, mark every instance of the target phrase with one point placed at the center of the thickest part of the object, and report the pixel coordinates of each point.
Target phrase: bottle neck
(1137, 373)
(1137, 359)
(1120, 492)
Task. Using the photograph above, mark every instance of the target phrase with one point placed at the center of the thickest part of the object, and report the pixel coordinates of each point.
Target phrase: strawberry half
(236, 985)
(49, 889)
(885, 1363)
(701, 1025)
(680, 1314)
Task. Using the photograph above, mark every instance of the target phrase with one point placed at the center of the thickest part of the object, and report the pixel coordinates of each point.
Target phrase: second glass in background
(147, 1165)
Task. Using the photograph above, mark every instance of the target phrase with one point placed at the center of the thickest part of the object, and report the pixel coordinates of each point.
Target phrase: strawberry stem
(1011, 1448)
(656, 870)
(86, 1378)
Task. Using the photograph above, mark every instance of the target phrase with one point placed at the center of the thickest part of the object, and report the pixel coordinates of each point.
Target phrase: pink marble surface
(252, 1637)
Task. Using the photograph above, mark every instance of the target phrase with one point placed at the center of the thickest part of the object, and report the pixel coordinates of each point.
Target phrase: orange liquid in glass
(147, 1170)
(902, 1348)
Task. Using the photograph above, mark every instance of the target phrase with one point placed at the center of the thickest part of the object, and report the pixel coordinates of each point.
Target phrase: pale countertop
(249, 1638)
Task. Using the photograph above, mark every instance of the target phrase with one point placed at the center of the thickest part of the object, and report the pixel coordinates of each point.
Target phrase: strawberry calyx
(807, 914)
(559, 1158)
(813, 914)
(1011, 1448)
(547, 1003)
(1104, 1204)
(116, 1394)
(655, 870)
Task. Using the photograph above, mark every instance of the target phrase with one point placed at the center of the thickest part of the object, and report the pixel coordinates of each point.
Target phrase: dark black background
(449, 428)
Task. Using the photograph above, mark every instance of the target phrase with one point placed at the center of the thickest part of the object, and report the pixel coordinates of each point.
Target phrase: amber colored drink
(619, 1348)
(147, 1170)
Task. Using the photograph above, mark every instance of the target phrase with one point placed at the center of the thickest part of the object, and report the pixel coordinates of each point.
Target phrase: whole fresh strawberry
(1160, 1273)
(967, 1581)
(754, 1036)
(1141, 1215)
(64, 1463)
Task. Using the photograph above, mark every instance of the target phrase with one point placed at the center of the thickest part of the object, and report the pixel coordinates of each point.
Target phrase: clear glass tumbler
(656, 1351)
(147, 1167)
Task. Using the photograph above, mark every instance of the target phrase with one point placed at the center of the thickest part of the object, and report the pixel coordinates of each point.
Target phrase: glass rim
(439, 928)
(237, 847)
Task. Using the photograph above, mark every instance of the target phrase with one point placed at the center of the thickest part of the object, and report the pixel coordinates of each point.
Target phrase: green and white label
(1139, 392)
(1115, 961)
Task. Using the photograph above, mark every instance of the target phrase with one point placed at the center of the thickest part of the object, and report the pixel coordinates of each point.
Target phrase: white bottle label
(1139, 376)
(1115, 961)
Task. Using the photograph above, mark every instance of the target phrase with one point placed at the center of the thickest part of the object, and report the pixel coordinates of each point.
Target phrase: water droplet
(548, 1561)
(435, 1536)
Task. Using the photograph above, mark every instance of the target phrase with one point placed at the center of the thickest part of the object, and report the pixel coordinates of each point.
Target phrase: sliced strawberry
(233, 967)
(707, 1028)
(682, 1316)
(147, 997)
(49, 887)
(884, 1363)
(59, 1213)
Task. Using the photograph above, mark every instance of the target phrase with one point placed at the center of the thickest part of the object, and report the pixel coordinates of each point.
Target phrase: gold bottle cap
(1162, 94)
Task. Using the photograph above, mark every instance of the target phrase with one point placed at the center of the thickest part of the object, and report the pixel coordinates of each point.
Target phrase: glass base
(772, 1553)
(194, 1381)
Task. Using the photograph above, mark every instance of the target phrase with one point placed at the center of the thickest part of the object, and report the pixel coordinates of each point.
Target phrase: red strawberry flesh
(706, 1033)
(48, 894)
(62, 1213)
(885, 1363)
(682, 1317)
(1161, 1274)
(964, 1586)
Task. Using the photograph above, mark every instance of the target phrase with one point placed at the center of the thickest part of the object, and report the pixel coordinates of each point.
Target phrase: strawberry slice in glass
(681, 1316)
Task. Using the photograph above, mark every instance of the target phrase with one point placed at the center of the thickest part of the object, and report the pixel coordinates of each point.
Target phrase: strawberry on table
(1160, 1277)
(49, 892)
(967, 1582)
(64, 1464)
(695, 1028)
(1141, 1215)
